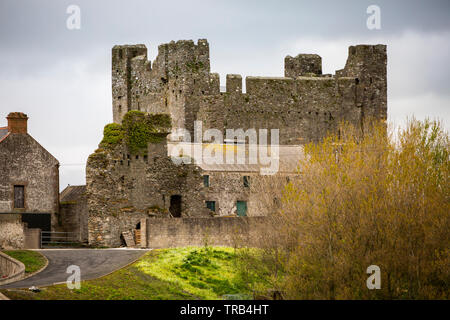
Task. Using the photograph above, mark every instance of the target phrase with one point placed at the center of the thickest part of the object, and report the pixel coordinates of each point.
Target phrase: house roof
(3, 133)
(72, 193)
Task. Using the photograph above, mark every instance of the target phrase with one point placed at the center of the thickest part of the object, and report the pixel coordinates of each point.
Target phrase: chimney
(17, 122)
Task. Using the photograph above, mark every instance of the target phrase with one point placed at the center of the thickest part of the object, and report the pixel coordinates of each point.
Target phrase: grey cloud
(61, 78)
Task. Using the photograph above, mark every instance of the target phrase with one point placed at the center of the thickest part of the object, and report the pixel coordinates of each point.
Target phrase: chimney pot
(17, 122)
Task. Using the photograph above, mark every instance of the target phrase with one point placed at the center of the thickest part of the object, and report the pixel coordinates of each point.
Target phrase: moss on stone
(113, 134)
(194, 65)
(141, 128)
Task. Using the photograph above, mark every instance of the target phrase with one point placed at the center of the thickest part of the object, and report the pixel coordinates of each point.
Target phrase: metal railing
(58, 239)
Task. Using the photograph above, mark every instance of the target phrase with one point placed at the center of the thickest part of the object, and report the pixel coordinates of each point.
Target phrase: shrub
(358, 200)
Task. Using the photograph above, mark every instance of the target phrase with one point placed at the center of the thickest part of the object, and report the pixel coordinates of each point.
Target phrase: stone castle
(304, 104)
(124, 186)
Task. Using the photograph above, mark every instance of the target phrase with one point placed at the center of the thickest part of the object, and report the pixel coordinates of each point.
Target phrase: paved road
(93, 263)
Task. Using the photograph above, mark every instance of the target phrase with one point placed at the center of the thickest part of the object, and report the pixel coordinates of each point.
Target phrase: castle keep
(131, 177)
(304, 104)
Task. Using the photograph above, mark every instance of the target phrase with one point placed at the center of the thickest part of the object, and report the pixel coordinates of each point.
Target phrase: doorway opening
(175, 206)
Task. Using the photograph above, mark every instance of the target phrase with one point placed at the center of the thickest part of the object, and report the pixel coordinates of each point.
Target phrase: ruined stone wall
(304, 104)
(23, 161)
(12, 231)
(220, 231)
(180, 70)
(225, 188)
(122, 188)
(73, 217)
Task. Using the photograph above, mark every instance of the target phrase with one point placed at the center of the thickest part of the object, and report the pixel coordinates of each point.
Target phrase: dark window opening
(146, 158)
(246, 181)
(206, 180)
(138, 226)
(211, 205)
(175, 206)
(19, 196)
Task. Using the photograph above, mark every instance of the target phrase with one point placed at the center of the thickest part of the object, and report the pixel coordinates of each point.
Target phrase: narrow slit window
(246, 181)
(206, 180)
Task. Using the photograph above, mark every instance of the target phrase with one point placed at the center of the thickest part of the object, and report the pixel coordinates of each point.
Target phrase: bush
(362, 200)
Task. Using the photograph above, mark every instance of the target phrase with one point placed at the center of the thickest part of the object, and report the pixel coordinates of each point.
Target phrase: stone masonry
(123, 187)
(304, 105)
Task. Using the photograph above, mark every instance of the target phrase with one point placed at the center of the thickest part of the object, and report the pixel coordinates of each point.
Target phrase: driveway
(93, 263)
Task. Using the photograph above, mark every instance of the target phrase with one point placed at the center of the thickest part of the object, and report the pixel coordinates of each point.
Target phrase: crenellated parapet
(304, 104)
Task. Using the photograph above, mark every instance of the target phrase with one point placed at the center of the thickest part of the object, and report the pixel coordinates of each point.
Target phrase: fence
(58, 239)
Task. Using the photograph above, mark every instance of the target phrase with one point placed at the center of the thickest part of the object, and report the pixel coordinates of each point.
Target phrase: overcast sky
(61, 78)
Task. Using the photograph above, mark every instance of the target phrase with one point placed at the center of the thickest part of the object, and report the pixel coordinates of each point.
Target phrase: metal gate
(55, 239)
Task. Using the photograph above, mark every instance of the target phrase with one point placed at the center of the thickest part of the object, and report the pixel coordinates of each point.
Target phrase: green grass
(180, 273)
(206, 272)
(32, 260)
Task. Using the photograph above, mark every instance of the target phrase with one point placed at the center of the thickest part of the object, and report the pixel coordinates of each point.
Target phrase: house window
(241, 208)
(206, 180)
(19, 196)
(246, 181)
(211, 205)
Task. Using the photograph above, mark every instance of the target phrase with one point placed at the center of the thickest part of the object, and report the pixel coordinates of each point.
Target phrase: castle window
(211, 205)
(206, 180)
(146, 158)
(19, 196)
(246, 181)
(137, 157)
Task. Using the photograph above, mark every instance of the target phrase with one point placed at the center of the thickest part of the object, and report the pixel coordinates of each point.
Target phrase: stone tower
(305, 104)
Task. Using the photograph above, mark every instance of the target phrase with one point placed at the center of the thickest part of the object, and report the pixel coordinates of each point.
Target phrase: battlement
(302, 64)
(304, 104)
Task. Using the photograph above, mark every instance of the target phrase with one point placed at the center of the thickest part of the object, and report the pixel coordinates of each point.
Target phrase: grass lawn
(32, 260)
(179, 273)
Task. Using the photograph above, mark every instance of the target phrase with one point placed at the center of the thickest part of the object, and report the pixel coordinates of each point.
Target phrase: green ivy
(112, 135)
(141, 128)
(137, 130)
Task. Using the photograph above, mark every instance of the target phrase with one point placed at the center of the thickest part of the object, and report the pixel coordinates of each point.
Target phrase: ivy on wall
(137, 130)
